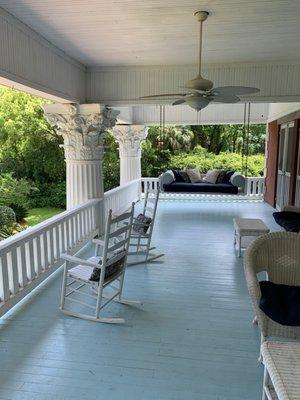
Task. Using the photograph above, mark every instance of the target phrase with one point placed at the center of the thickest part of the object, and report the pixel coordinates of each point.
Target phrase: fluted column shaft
(129, 138)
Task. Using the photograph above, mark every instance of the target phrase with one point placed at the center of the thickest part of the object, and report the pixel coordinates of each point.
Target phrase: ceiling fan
(199, 92)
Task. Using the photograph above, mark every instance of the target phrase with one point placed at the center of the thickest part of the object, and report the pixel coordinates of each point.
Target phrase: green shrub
(20, 211)
(203, 160)
(7, 216)
(49, 195)
(15, 191)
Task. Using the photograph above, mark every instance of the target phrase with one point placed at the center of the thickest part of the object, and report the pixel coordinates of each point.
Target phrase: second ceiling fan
(199, 92)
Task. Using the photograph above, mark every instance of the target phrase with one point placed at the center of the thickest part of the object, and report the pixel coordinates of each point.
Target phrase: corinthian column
(129, 138)
(82, 128)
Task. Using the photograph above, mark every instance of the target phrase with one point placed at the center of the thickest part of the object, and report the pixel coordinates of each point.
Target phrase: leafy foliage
(203, 147)
(20, 211)
(49, 195)
(28, 145)
(7, 216)
(10, 230)
(15, 191)
(203, 160)
(111, 163)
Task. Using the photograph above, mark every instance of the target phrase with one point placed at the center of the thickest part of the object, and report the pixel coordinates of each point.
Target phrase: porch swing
(215, 181)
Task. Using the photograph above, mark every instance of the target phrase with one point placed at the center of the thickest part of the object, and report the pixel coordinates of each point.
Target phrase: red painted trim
(272, 163)
(294, 163)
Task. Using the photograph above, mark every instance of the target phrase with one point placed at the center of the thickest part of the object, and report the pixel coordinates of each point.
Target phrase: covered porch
(191, 338)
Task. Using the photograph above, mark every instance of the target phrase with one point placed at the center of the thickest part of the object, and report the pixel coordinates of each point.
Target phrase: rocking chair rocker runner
(91, 281)
(142, 229)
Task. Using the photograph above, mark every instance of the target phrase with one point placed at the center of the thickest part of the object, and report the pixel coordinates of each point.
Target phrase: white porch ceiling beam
(278, 81)
(214, 114)
(31, 61)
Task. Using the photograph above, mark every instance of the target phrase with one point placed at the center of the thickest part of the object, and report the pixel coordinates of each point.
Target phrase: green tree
(29, 147)
(172, 138)
(111, 162)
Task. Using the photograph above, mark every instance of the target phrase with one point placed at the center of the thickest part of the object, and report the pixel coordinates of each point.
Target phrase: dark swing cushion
(110, 270)
(142, 224)
(281, 303)
(289, 220)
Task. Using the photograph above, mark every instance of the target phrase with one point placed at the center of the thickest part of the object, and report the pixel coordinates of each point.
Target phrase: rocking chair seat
(83, 272)
(138, 234)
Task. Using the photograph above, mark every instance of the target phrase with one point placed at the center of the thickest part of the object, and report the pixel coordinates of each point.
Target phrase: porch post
(82, 127)
(129, 138)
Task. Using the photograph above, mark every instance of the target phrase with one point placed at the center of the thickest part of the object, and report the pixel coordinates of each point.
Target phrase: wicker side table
(282, 370)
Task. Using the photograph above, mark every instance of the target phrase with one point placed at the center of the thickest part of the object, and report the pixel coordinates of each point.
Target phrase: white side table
(282, 370)
(247, 227)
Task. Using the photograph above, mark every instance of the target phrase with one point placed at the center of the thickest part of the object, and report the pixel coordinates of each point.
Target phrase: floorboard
(191, 339)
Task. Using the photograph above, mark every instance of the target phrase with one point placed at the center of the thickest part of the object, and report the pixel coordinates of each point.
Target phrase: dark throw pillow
(177, 175)
(227, 176)
(184, 176)
(110, 270)
(220, 178)
(289, 220)
(281, 303)
(142, 224)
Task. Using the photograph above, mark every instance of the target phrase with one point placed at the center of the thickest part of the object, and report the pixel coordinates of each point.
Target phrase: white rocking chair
(142, 229)
(91, 281)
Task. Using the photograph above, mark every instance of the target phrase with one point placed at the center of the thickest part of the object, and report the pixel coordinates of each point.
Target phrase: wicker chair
(278, 255)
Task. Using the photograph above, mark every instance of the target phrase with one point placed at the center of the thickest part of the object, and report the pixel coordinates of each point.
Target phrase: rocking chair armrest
(98, 241)
(77, 260)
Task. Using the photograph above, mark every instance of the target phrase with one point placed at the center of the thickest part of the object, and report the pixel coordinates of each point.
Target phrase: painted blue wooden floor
(191, 340)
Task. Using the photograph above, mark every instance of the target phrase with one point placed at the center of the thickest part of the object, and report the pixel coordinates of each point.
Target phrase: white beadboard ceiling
(164, 32)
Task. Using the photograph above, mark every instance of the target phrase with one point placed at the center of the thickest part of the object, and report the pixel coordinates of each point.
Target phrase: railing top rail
(118, 188)
(24, 235)
(149, 179)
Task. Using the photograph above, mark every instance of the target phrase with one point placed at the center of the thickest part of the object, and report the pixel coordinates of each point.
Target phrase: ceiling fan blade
(197, 102)
(225, 98)
(177, 102)
(163, 95)
(234, 90)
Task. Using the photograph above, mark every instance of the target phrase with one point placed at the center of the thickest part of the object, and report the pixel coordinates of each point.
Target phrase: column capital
(82, 127)
(129, 138)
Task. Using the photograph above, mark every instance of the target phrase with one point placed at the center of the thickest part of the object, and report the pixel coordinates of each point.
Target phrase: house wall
(30, 60)
(271, 162)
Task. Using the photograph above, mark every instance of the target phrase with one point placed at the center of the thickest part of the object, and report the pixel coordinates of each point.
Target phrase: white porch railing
(28, 257)
(153, 183)
(120, 198)
(254, 186)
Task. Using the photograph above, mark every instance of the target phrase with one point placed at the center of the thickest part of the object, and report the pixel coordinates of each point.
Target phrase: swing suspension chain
(246, 135)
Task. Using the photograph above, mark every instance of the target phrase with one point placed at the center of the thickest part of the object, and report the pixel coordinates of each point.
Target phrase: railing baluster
(5, 295)
(32, 272)
(23, 274)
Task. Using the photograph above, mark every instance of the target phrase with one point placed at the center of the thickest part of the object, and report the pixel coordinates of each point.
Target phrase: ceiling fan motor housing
(199, 83)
